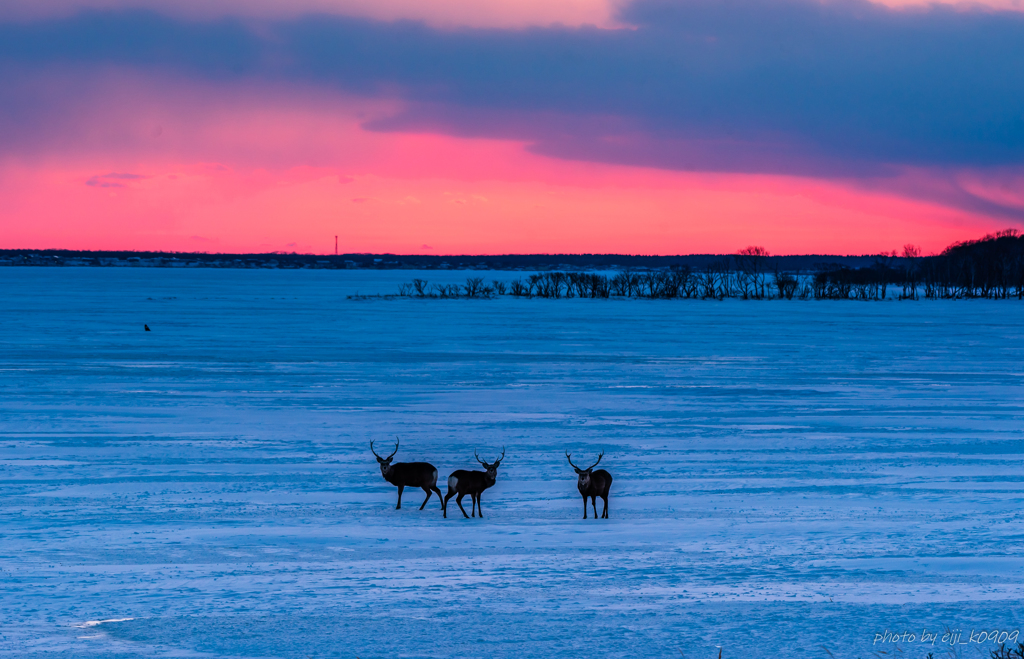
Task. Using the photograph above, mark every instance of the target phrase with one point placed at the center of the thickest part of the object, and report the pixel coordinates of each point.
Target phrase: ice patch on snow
(94, 623)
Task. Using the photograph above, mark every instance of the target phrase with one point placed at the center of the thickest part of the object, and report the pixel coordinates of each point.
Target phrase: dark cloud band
(845, 88)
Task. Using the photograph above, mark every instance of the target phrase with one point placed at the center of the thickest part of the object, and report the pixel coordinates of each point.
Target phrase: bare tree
(707, 281)
(474, 286)
(519, 288)
(751, 264)
(620, 284)
(785, 285)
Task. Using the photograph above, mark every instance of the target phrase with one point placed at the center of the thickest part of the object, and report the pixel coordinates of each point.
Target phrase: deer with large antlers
(473, 483)
(411, 474)
(593, 484)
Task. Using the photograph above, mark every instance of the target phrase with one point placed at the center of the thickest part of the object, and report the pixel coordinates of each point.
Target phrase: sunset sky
(509, 126)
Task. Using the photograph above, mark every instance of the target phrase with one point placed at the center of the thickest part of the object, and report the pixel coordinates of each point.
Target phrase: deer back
(412, 474)
(601, 481)
(464, 481)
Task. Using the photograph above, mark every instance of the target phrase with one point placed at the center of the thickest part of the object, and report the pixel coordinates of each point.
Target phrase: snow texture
(790, 477)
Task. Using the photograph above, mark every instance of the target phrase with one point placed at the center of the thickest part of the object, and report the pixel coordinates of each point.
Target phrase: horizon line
(419, 254)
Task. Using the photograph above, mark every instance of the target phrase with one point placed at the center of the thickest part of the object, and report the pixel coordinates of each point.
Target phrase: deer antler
(390, 456)
(496, 462)
(601, 455)
(569, 458)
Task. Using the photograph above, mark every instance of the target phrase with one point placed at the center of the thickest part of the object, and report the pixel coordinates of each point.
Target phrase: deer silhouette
(473, 483)
(593, 484)
(411, 474)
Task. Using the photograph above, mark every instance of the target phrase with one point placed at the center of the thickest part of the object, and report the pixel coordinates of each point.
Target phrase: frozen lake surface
(789, 476)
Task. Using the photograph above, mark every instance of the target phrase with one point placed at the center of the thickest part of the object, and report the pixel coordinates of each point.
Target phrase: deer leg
(399, 506)
(584, 506)
(434, 488)
(479, 505)
(427, 490)
(593, 502)
(473, 505)
(444, 504)
(458, 500)
(604, 515)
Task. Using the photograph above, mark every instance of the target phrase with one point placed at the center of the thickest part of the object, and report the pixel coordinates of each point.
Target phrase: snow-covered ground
(789, 476)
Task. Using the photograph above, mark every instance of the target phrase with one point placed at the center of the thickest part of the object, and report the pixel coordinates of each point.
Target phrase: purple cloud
(112, 180)
(835, 89)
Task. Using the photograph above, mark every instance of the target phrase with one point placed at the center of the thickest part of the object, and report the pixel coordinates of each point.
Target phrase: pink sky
(442, 13)
(290, 179)
(162, 162)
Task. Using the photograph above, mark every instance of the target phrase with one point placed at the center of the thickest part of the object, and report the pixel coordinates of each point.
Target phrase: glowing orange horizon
(213, 208)
(143, 169)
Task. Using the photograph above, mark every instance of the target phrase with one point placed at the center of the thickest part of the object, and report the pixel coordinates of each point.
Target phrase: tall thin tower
(335, 245)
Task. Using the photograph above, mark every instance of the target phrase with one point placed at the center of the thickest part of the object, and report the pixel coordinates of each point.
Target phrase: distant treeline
(992, 267)
(291, 261)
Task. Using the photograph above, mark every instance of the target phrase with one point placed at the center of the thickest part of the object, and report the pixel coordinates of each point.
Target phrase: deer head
(385, 463)
(584, 474)
(492, 469)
